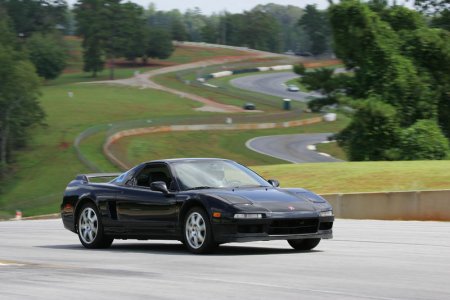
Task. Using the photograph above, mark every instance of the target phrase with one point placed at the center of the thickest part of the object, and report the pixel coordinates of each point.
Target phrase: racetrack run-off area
(366, 260)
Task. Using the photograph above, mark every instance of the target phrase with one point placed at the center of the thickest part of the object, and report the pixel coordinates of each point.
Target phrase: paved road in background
(366, 260)
(291, 147)
(271, 84)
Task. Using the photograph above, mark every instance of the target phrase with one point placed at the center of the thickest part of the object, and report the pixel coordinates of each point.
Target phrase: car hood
(272, 199)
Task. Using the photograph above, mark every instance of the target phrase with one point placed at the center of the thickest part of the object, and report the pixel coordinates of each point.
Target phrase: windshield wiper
(250, 186)
(199, 188)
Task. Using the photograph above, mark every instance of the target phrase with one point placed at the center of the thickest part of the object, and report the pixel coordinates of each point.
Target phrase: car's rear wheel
(305, 244)
(197, 232)
(90, 228)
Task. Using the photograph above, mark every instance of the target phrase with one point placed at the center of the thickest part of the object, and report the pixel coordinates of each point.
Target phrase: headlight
(248, 216)
(328, 213)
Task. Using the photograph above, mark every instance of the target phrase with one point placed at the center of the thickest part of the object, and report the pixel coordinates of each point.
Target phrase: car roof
(173, 160)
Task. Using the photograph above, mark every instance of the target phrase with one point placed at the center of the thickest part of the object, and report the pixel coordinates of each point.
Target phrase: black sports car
(202, 202)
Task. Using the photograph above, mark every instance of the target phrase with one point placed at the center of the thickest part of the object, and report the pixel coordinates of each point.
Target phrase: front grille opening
(326, 225)
(250, 229)
(294, 226)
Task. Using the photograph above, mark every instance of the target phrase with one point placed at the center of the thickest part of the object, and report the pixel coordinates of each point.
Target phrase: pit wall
(412, 205)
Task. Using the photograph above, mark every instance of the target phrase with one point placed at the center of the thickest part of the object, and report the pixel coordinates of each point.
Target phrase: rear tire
(90, 228)
(197, 232)
(305, 244)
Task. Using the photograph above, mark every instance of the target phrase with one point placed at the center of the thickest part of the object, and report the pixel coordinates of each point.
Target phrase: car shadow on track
(179, 249)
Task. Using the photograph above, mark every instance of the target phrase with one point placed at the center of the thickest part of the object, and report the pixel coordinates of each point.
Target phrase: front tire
(90, 228)
(305, 244)
(197, 232)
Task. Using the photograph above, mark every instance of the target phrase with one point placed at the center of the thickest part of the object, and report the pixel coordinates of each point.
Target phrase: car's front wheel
(305, 244)
(90, 228)
(197, 232)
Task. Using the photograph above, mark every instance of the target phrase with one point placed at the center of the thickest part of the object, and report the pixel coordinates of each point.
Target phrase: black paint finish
(130, 209)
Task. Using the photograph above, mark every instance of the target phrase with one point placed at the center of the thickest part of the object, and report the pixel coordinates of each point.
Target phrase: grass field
(353, 177)
(49, 162)
(42, 170)
(225, 144)
(333, 149)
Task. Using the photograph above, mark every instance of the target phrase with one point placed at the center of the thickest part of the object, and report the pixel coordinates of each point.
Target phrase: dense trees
(48, 54)
(269, 27)
(36, 15)
(39, 24)
(317, 27)
(292, 36)
(112, 29)
(19, 91)
(400, 78)
(159, 44)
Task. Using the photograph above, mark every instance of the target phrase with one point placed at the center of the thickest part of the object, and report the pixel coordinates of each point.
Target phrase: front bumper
(277, 227)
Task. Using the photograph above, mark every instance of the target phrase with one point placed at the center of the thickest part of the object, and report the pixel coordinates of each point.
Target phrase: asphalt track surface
(271, 84)
(366, 260)
(293, 148)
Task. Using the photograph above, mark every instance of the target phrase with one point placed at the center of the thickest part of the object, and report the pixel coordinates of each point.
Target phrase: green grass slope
(352, 177)
(49, 161)
(42, 170)
(224, 144)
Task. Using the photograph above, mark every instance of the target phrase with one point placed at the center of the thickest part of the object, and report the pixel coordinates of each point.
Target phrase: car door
(147, 212)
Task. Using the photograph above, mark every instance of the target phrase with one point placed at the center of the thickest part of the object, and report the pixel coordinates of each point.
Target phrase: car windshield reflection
(194, 175)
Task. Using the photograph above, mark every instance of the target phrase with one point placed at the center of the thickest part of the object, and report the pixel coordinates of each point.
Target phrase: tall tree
(316, 25)
(194, 21)
(159, 43)
(292, 36)
(90, 26)
(48, 54)
(110, 29)
(259, 30)
(178, 30)
(19, 91)
(375, 44)
(210, 31)
(133, 31)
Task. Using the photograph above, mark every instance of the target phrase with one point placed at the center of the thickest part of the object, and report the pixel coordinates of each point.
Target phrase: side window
(152, 173)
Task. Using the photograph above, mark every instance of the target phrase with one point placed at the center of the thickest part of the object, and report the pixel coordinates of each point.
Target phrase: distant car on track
(292, 88)
(202, 202)
(249, 106)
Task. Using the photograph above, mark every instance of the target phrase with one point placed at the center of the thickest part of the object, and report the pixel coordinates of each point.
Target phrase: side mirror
(274, 182)
(159, 186)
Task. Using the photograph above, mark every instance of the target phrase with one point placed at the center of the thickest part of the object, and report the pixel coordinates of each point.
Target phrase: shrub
(423, 140)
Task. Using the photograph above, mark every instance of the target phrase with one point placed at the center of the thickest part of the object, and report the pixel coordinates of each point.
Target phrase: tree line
(113, 28)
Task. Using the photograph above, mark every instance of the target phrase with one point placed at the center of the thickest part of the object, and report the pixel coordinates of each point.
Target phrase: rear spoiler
(87, 177)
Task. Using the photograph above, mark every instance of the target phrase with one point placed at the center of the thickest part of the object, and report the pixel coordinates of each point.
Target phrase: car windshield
(203, 174)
